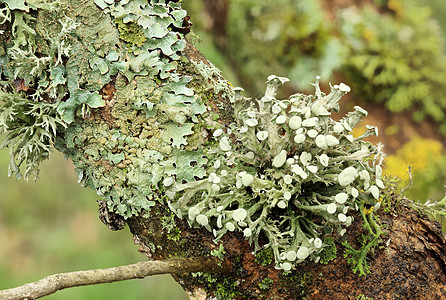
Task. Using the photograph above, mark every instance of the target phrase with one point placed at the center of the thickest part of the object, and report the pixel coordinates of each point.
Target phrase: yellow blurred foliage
(417, 153)
(369, 35)
(396, 6)
(359, 130)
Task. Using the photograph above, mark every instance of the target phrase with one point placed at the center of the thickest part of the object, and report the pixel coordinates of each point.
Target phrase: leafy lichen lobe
(283, 173)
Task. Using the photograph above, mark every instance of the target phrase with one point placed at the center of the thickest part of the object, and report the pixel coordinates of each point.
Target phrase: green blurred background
(52, 226)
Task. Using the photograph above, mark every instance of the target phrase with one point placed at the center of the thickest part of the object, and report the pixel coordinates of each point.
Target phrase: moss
(169, 225)
(266, 283)
(264, 257)
(223, 288)
(329, 252)
(227, 290)
(220, 253)
(130, 33)
(297, 282)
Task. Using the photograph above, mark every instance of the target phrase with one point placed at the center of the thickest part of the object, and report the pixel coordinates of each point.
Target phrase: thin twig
(56, 282)
(409, 185)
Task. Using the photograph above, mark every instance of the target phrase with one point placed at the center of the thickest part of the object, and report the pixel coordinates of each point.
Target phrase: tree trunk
(114, 142)
(410, 263)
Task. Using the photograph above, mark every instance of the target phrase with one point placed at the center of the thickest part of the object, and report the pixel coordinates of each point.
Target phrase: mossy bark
(113, 148)
(410, 263)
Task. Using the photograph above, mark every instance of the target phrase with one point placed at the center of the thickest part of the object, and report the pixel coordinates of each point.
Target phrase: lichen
(63, 57)
(128, 116)
(291, 164)
(30, 128)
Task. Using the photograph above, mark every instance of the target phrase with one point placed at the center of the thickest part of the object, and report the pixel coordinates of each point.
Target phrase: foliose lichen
(286, 171)
(65, 59)
(118, 104)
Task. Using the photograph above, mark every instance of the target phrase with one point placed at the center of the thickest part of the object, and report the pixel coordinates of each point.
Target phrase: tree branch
(56, 282)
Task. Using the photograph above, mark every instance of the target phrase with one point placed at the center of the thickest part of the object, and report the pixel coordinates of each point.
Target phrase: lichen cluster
(285, 174)
(106, 83)
(58, 56)
(31, 130)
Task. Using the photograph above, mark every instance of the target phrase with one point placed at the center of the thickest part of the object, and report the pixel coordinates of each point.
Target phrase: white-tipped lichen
(283, 170)
(293, 174)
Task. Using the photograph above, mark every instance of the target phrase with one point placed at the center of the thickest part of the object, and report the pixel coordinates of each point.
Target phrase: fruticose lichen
(285, 171)
(108, 85)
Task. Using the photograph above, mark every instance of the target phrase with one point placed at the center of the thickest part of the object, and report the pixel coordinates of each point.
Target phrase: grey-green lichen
(59, 60)
(30, 129)
(106, 82)
(287, 171)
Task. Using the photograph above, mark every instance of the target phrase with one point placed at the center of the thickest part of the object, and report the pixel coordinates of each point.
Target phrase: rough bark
(409, 264)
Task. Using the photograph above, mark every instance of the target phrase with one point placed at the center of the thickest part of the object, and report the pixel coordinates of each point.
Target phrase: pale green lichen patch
(296, 192)
(142, 152)
(138, 132)
(65, 53)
